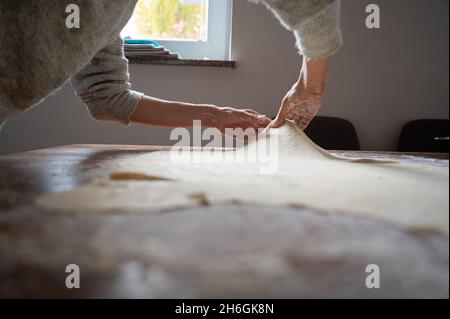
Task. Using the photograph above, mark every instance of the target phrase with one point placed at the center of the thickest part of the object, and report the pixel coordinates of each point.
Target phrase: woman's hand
(231, 118)
(304, 99)
(163, 113)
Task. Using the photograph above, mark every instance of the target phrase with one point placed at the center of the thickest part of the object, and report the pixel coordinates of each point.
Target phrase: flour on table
(297, 173)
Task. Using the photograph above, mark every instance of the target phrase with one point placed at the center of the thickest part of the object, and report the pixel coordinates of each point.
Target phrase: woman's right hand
(304, 99)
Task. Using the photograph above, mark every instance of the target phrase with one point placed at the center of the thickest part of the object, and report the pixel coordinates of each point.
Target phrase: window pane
(169, 20)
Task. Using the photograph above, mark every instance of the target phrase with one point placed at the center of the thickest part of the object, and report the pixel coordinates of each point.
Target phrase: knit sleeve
(315, 23)
(103, 85)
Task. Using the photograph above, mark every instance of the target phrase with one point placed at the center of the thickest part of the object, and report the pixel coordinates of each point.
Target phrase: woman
(38, 54)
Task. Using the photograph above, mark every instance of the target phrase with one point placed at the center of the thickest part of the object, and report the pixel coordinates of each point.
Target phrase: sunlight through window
(180, 20)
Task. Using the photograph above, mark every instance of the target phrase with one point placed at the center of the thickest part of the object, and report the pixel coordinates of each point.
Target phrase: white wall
(379, 80)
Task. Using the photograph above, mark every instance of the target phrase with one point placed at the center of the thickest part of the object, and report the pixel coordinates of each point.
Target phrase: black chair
(333, 133)
(429, 136)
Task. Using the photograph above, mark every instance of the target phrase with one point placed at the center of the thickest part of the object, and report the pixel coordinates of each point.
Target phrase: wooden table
(230, 250)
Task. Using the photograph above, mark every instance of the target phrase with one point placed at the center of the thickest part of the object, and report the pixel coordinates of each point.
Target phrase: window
(196, 29)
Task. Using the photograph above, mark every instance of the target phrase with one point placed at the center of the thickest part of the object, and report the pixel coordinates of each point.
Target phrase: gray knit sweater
(38, 53)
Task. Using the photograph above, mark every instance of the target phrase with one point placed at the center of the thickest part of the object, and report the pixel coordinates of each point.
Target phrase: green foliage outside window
(171, 19)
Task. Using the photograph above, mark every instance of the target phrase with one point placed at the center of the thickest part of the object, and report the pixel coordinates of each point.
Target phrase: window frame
(217, 45)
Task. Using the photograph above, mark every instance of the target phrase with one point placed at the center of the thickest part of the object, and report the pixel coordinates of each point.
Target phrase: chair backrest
(333, 133)
(425, 136)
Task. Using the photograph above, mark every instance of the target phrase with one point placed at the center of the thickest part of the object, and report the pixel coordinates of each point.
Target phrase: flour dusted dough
(411, 195)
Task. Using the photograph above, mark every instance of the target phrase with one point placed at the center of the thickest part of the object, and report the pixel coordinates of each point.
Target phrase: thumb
(281, 117)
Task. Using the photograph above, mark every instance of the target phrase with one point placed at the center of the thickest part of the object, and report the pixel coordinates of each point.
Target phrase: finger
(308, 117)
(252, 121)
(298, 109)
(281, 117)
(252, 112)
(302, 121)
(279, 121)
(298, 118)
(290, 115)
(263, 121)
(258, 121)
